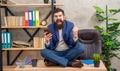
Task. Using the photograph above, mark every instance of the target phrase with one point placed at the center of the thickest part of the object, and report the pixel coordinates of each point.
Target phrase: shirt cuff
(47, 43)
(75, 39)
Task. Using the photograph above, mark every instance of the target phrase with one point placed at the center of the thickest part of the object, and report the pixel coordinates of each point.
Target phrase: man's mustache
(59, 20)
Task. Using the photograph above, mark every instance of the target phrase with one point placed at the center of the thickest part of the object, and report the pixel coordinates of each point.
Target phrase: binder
(30, 17)
(37, 18)
(26, 18)
(8, 40)
(34, 22)
(5, 39)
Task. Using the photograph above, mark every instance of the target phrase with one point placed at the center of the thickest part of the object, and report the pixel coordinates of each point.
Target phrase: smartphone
(46, 30)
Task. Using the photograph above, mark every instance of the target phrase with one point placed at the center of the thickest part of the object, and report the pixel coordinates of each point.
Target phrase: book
(5, 21)
(88, 61)
(36, 42)
(3, 40)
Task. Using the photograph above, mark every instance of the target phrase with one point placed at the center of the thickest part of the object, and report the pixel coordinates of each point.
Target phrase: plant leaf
(100, 17)
(116, 33)
(98, 28)
(112, 19)
(98, 9)
(113, 26)
(105, 34)
(109, 43)
(114, 11)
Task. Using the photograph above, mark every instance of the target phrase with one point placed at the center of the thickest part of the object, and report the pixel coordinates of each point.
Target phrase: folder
(37, 18)
(26, 18)
(30, 17)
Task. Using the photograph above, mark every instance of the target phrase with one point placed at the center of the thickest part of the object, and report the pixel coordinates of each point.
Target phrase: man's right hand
(47, 36)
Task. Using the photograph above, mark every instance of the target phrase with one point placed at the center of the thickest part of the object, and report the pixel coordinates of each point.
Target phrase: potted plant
(110, 43)
(96, 58)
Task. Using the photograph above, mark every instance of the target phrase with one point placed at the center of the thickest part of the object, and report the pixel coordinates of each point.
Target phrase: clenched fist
(75, 32)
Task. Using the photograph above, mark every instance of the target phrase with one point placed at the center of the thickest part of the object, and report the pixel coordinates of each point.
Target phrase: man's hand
(75, 32)
(47, 36)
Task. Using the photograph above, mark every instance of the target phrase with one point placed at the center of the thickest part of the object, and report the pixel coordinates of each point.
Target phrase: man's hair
(58, 10)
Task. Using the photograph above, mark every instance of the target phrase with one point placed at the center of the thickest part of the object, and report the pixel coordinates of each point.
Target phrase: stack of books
(21, 44)
(6, 40)
(14, 20)
(38, 42)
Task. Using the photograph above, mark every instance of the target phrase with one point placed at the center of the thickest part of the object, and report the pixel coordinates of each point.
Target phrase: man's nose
(58, 17)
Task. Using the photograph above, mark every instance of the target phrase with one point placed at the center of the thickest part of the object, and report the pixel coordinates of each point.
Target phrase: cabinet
(53, 5)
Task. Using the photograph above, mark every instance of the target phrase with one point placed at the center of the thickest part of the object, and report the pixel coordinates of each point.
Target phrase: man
(61, 43)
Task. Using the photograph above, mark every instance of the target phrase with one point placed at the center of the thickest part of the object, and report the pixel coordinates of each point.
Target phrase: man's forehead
(58, 13)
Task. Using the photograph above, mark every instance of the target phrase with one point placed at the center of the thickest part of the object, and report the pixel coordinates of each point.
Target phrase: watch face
(44, 23)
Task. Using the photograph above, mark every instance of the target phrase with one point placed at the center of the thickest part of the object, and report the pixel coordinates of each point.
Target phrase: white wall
(81, 12)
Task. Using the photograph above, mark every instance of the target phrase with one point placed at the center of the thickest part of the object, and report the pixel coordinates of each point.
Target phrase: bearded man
(61, 43)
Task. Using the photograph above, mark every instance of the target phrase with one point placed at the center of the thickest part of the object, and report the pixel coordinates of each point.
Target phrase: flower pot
(96, 64)
(46, 1)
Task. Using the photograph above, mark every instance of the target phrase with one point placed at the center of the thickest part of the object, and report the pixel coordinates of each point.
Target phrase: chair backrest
(91, 39)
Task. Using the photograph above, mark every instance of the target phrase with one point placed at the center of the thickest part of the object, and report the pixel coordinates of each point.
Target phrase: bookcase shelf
(41, 4)
(18, 27)
(27, 48)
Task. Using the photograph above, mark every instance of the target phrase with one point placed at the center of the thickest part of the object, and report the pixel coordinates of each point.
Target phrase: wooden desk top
(42, 67)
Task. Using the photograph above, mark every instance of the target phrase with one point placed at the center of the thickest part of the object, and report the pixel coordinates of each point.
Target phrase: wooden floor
(42, 67)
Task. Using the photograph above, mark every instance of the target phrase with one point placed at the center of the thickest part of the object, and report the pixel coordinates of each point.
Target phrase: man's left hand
(75, 32)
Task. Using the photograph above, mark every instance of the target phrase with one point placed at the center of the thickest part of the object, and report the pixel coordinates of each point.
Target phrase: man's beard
(59, 26)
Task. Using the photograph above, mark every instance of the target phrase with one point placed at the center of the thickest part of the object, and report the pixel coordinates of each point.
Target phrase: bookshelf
(53, 5)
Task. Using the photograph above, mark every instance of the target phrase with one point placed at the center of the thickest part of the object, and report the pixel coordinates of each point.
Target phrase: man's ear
(64, 17)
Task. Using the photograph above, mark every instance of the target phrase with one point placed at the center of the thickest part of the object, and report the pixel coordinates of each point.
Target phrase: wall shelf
(41, 4)
(27, 48)
(18, 27)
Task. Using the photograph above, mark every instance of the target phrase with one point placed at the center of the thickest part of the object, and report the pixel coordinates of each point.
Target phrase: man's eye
(59, 15)
(55, 16)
